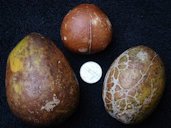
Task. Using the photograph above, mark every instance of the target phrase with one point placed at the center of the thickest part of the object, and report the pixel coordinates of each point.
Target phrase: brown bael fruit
(86, 29)
(41, 87)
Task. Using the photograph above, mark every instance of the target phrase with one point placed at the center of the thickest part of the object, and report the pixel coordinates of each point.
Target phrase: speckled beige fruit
(41, 87)
(133, 85)
(86, 29)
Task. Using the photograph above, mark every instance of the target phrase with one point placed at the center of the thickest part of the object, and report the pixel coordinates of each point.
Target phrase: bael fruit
(41, 87)
(134, 85)
(86, 29)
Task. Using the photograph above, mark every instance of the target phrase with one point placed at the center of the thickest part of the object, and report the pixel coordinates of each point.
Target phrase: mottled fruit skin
(86, 29)
(134, 85)
(41, 87)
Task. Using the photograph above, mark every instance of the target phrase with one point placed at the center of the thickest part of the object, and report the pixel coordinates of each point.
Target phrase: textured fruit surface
(40, 85)
(133, 85)
(86, 29)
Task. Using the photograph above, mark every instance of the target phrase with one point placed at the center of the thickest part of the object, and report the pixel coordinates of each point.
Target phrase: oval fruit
(133, 85)
(40, 85)
(86, 29)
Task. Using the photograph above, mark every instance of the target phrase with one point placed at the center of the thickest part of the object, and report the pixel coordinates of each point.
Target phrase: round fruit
(86, 29)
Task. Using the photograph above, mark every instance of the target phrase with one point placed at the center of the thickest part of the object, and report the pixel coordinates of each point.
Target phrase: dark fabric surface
(135, 22)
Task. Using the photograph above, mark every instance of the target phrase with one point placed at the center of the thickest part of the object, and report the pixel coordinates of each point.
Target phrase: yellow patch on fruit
(16, 56)
(21, 46)
(17, 88)
(15, 64)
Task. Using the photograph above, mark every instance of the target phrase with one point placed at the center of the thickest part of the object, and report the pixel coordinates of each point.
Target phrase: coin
(90, 72)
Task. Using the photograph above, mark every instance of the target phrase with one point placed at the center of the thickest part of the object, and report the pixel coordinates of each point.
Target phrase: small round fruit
(86, 29)
(134, 85)
(41, 87)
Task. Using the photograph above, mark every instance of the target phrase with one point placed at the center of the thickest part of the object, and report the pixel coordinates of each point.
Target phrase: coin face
(90, 72)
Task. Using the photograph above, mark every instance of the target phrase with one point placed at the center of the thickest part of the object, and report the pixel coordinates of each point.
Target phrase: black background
(146, 22)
